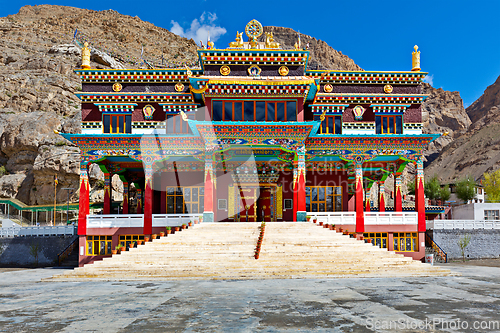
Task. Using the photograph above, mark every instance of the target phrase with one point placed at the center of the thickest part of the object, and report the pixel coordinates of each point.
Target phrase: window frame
(91, 241)
(491, 215)
(244, 103)
(378, 238)
(412, 237)
(200, 202)
(396, 118)
(334, 195)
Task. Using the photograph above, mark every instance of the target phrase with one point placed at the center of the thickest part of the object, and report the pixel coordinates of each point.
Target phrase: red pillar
(360, 215)
(301, 188)
(208, 213)
(367, 203)
(83, 208)
(107, 194)
(419, 196)
(398, 198)
(295, 192)
(381, 197)
(125, 198)
(148, 200)
(139, 201)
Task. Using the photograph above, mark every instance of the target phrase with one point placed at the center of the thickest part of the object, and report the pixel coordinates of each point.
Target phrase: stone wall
(485, 243)
(17, 251)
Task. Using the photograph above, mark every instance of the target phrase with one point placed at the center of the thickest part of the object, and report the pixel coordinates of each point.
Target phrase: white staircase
(225, 251)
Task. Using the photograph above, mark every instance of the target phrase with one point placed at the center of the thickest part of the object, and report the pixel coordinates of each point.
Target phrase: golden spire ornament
(415, 60)
(86, 56)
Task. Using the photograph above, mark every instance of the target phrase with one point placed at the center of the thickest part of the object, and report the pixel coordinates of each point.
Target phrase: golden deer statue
(270, 43)
(239, 40)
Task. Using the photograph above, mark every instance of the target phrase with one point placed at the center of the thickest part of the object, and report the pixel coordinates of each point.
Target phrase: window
(175, 124)
(125, 240)
(405, 241)
(389, 124)
(117, 123)
(491, 215)
(98, 245)
(324, 198)
(378, 238)
(288, 204)
(330, 125)
(185, 200)
(222, 204)
(254, 111)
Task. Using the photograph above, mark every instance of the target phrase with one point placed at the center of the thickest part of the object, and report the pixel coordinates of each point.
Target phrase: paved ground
(336, 305)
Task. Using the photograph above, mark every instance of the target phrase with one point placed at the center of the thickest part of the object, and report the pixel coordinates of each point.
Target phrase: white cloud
(200, 29)
(429, 79)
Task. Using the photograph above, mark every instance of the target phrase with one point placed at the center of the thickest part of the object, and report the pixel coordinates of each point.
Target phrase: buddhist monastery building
(252, 134)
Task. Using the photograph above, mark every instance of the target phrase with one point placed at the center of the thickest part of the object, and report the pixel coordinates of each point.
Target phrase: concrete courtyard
(467, 303)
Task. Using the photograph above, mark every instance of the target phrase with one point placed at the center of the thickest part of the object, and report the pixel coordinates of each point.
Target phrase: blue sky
(459, 40)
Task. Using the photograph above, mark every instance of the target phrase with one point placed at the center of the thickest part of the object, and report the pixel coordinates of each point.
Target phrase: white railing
(371, 218)
(335, 218)
(38, 231)
(172, 220)
(390, 218)
(115, 221)
(463, 224)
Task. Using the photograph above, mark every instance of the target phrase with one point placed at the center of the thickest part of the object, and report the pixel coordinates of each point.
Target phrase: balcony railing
(463, 224)
(38, 231)
(115, 221)
(371, 218)
(137, 220)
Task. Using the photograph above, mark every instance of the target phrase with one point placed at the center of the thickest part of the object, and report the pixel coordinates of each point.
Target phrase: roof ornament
(270, 43)
(86, 56)
(253, 30)
(416, 60)
(239, 41)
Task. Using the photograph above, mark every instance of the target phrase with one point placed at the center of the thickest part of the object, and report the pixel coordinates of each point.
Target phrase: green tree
(444, 193)
(411, 188)
(463, 242)
(492, 185)
(466, 189)
(432, 188)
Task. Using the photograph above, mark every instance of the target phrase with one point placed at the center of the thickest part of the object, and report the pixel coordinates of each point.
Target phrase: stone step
(225, 251)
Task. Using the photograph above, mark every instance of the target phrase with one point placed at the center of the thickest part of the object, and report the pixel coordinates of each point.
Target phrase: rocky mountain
(322, 55)
(478, 149)
(442, 112)
(37, 86)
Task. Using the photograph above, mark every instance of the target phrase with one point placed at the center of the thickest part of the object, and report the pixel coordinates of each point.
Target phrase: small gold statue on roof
(415, 60)
(270, 43)
(86, 56)
(239, 40)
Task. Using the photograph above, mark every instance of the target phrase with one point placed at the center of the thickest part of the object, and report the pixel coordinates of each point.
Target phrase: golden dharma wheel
(328, 88)
(388, 89)
(179, 87)
(117, 87)
(283, 70)
(225, 70)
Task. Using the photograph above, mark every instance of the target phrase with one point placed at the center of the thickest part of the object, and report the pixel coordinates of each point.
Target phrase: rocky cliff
(37, 86)
(322, 55)
(478, 149)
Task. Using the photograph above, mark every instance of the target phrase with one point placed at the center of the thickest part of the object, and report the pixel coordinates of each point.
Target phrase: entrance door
(264, 206)
(248, 204)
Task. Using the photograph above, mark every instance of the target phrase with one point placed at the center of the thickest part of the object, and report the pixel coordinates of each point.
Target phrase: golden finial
(416, 60)
(86, 56)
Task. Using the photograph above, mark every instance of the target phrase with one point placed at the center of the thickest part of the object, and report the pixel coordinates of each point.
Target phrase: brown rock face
(323, 56)
(442, 111)
(478, 149)
(37, 87)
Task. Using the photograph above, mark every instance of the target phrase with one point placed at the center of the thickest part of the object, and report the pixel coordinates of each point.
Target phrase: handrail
(65, 253)
(436, 247)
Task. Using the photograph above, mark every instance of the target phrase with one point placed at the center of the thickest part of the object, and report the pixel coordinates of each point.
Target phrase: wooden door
(248, 204)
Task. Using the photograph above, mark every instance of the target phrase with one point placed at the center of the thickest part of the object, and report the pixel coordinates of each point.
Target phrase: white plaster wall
(463, 212)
